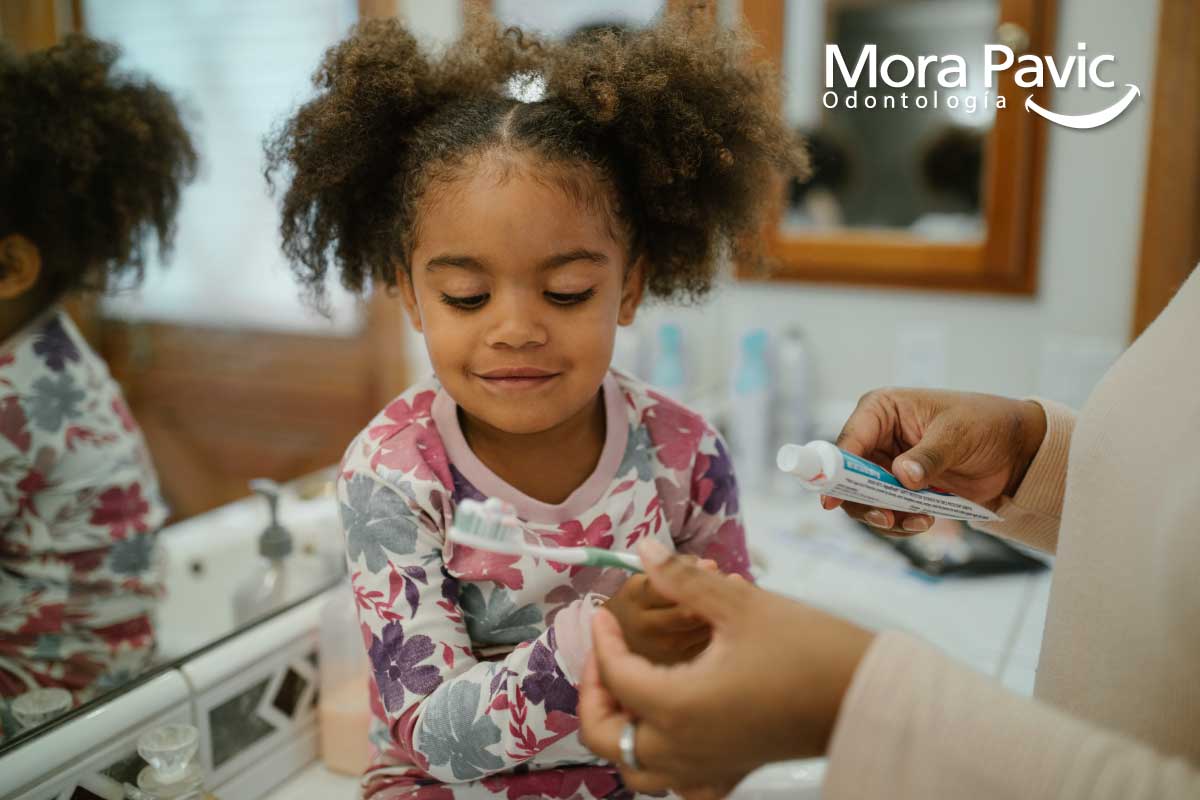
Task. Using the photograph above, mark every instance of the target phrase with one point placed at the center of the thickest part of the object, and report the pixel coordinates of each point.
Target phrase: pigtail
(700, 122)
(347, 160)
(332, 155)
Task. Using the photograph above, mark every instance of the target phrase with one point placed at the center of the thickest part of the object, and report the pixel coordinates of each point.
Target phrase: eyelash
(576, 298)
(465, 303)
(476, 301)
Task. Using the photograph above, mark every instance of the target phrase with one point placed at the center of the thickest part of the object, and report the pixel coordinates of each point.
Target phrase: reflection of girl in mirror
(91, 163)
(951, 164)
(813, 201)
(521, 235)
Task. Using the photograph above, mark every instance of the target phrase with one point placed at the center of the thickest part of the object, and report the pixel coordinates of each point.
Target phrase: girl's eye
(564, 299)
(465, 303)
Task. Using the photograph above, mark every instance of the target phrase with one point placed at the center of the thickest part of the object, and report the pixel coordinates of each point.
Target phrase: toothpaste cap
(801, 461)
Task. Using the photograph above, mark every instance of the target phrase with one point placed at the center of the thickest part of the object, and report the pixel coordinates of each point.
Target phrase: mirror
(565, 18)
(887, 167)
(916, 181)
(227, 373)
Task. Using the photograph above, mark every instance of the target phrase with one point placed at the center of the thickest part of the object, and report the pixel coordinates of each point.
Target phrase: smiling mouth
(517, 377)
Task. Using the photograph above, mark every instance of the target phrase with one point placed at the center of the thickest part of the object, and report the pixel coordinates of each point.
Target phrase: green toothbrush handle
(607, 558)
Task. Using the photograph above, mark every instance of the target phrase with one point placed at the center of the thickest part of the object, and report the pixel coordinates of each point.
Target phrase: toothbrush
(493, 526)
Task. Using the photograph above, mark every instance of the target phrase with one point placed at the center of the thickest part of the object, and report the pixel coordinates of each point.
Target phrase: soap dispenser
(266, 587)
(171, 774)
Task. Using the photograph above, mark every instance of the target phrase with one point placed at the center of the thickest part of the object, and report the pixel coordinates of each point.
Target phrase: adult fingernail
(913, 470)
(825, 502)
(916, 524)
(652, 552)
(877, 518)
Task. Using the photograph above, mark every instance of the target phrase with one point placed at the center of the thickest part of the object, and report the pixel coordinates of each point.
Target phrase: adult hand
(978, 446)
(653, 625)
(768, 687)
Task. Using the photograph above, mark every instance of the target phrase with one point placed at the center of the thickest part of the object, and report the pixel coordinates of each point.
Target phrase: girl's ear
(409, 295)
(631, 291)
(20, 266)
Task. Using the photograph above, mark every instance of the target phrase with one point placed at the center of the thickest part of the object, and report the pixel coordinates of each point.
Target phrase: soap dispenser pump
(265, 588)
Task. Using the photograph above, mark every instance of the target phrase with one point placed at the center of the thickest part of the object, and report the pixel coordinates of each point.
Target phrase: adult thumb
(938, 451)
(711, 595)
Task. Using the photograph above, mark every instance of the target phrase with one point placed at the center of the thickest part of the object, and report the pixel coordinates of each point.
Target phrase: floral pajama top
(79, 509)
(476, 657)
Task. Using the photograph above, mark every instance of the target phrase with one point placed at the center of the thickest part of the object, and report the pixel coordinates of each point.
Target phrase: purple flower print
(723, 486)
(463, 489)
(54, 345)
(395, 663)
(547, 684)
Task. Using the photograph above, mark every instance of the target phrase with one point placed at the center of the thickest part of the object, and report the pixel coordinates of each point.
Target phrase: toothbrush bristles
(492, 520)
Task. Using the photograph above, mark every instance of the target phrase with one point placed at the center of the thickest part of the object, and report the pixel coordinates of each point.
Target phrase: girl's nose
(516, 324)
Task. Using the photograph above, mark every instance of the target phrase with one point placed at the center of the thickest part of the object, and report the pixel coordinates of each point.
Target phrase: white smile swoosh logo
(1086, 121)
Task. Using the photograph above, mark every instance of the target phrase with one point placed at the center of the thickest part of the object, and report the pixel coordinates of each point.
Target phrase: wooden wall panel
(1171, 215)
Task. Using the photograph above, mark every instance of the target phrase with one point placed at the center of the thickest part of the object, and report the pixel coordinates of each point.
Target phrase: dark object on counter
(953, 548)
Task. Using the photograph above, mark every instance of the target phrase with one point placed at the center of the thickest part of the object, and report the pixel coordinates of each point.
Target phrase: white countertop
(993, 624)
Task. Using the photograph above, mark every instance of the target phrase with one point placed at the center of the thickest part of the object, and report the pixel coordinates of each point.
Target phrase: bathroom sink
(204, 558)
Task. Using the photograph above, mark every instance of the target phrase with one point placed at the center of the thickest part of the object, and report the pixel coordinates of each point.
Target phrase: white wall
(1054, 344)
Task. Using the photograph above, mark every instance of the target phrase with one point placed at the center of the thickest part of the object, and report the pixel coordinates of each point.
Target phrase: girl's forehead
(531, 208)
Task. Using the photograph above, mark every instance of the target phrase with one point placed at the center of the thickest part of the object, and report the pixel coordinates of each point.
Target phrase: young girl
(91, 165)
(521, 234)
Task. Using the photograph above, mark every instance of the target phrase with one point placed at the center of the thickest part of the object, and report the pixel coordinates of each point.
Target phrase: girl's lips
(517, 379)
(516, 372)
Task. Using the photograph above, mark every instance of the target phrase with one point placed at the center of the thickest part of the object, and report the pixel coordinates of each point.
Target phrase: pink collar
(616, 434)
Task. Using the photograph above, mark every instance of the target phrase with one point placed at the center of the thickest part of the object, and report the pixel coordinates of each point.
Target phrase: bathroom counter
(993, 624)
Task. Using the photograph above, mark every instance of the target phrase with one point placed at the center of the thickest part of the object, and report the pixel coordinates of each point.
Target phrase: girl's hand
(768, 688)
(655, 627)
(977, 446)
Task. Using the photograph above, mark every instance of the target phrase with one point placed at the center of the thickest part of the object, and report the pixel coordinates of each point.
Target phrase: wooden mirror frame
(1004, 261)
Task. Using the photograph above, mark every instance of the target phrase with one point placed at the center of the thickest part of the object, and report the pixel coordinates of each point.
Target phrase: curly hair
(92, 162)
(676, 124)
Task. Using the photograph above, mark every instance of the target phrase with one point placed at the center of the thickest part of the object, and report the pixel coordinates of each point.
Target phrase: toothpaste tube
(824, 468)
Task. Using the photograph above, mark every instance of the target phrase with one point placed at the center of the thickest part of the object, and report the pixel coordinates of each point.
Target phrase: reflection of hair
(952, 164)
(829, 161)
(673, 125)
(91, 162)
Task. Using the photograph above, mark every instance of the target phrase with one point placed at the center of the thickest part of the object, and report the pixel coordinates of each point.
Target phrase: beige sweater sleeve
(916, 725)
(1032, 516)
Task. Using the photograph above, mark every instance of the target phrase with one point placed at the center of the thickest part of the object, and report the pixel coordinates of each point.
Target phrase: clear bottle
(792, 412)
(344, 708)
(669, 372)
(267, 586)
(627, 351)
(750, 412)
(172, 773)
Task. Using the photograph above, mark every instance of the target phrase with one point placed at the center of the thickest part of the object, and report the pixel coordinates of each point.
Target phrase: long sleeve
(456, 717)
(1034, 513)
(915, 724)
(713, 525)
(14, 465)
